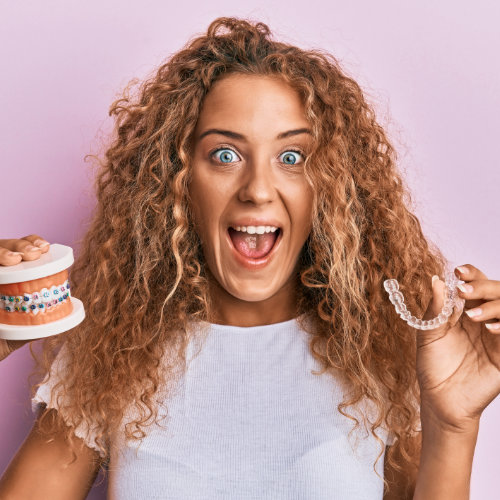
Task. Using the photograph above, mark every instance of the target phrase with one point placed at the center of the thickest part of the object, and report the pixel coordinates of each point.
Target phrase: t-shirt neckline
(273, 327)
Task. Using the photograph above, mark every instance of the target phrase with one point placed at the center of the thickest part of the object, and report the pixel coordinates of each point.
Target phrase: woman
(249, 210)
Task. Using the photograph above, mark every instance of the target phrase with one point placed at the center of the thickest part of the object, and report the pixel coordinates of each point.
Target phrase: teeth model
(452, 299)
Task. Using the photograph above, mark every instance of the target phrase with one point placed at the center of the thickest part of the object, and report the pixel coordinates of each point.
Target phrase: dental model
(452, 300)
(35, 296)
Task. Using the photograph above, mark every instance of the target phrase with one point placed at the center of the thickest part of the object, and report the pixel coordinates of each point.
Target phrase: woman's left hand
(458, 363)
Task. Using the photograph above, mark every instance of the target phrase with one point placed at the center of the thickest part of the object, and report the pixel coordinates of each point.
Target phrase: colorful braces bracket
(36, 302)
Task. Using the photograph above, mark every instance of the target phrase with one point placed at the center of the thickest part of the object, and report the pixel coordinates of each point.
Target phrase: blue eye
(225, 157)
(290, 156)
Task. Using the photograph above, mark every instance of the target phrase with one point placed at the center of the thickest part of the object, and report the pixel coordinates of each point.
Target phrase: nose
(258, 183)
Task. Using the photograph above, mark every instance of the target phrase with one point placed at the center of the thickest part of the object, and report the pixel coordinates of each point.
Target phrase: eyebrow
(241, 137)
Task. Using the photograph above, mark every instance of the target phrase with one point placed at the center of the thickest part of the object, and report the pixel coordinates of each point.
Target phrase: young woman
(238, 341)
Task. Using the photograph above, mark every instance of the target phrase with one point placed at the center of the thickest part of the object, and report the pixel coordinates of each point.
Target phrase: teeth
(256, 229)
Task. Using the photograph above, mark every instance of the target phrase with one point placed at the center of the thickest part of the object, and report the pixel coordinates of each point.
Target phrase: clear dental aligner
(452, 299)
(36, 302)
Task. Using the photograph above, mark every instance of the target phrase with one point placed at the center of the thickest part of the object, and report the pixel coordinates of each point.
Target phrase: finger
(437, 301)
(438, 297)
(486, 311)
(32, 246)
(468, 272)
(439, 294)
(479, 289)
(493, 327)
(9, 258)
(21, 244)
(38, 241)
(29, 251)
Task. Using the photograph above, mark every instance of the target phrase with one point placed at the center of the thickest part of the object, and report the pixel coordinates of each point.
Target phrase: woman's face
(250, 143)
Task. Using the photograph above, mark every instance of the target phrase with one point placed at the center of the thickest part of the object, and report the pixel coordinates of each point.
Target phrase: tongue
(254, 246)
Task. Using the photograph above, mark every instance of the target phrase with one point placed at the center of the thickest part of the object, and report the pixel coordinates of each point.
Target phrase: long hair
(140, 270)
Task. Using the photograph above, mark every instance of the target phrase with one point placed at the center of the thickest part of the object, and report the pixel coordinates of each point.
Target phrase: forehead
(252, 101)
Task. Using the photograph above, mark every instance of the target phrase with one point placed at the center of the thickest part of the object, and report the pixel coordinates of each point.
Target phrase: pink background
(432, 71)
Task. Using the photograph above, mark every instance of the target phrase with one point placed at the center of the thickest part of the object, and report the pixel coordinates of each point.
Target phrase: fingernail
(472, 313)
(11, 254)
(31, 248)
(434, 278)
(465, 288)
(41, 243)
(492, 326)
(462, 270)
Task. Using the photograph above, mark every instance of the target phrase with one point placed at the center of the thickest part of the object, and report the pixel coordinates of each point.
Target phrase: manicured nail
(31, 248)
(465, 288)
(41, 243)
(11, 254)
(493, 326)
(462, 270)
(434, 278)
(472, 313)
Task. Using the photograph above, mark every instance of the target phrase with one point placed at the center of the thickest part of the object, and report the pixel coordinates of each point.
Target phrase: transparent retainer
(452, 300)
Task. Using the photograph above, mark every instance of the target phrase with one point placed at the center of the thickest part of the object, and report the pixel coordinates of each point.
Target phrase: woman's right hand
(13, 251)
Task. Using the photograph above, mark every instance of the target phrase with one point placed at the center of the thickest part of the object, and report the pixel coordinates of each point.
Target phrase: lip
(255, 264)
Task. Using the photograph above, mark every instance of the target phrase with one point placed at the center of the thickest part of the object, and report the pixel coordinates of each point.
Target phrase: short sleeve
(391, 437)
(46, 394)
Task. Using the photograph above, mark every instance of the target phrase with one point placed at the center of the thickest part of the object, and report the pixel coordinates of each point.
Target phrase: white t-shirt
(248, 421)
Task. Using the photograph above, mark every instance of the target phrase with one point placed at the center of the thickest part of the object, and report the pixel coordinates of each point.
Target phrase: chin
(251, 292)
(258, 296)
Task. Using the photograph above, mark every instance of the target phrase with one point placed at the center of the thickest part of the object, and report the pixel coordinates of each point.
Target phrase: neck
(229, 310)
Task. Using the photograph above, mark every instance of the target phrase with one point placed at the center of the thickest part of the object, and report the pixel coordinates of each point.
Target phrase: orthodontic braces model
(452, 300)
(36, 302)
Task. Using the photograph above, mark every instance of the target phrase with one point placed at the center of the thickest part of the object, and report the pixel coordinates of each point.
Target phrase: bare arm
(446, 463)
(40, 470)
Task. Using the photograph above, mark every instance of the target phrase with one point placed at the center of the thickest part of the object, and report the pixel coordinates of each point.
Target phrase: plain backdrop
(431, 69)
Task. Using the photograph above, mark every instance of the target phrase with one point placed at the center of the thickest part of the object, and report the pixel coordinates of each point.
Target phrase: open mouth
(254, 246)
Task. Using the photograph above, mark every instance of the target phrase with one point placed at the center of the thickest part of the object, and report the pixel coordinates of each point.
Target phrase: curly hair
(140, 270)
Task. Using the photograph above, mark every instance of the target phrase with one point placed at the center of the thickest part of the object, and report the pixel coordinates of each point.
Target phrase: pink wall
(432, 70)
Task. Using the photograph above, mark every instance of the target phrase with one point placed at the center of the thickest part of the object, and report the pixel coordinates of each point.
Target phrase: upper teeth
(256, 229)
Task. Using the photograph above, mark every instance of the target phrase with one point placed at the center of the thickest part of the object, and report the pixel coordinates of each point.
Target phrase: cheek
(301, 208)
(207, 206)
(194, 205)
(200, 193)
(197, 207)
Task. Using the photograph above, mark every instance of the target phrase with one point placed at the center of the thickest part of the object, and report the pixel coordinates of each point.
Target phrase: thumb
(438, 297)
(426, 337)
